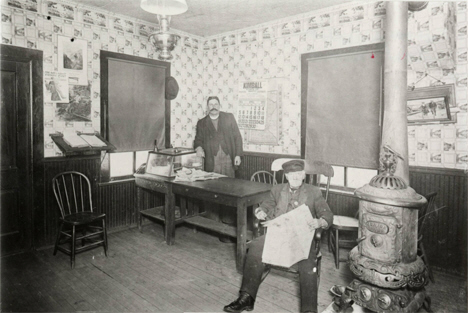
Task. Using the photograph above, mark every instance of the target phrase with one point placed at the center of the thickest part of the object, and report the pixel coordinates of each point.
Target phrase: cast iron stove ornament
(390, 275)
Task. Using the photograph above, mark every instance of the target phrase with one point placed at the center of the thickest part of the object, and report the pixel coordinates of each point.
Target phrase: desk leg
(241, 235)
(169, 211)
(138, 205)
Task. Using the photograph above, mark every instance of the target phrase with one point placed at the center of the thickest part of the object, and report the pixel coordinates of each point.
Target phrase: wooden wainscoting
(118, 201)
(445, 232)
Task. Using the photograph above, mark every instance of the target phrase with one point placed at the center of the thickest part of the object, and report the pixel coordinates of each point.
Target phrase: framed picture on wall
(73, 59)
(430, 104)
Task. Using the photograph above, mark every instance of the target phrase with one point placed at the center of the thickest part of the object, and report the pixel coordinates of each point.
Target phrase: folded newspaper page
(288, 240)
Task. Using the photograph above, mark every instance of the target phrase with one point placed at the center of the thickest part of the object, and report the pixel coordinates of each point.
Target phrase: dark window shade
(343, 107)
(136, 105)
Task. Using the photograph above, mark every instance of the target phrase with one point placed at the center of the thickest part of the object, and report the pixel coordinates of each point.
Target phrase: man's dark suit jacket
(227, 135)
(310, 195)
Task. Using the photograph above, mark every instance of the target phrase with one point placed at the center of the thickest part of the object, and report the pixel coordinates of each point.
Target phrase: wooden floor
(143, 274)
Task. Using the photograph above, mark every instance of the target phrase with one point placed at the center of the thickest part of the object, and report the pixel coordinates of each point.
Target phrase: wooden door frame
(35, 116)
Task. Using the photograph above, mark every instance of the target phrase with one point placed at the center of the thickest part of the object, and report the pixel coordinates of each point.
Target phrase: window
(350, 177)
(134, 111)
(121, 164)
(341, 120)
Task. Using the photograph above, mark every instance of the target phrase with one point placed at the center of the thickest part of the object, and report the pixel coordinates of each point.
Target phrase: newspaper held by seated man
(289, 238)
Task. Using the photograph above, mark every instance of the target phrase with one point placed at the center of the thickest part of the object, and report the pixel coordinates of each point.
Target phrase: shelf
(157, 213)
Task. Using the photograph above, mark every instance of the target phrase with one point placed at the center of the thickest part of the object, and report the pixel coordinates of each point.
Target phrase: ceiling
(210, 17)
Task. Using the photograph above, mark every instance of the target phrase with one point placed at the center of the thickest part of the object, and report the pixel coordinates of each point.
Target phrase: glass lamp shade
(164, 7)
(165, 43)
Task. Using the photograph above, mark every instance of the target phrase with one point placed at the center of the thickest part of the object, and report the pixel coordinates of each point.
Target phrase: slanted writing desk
(231, 192)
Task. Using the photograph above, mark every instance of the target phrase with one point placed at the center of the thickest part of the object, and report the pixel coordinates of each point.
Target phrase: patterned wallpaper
(437, 46)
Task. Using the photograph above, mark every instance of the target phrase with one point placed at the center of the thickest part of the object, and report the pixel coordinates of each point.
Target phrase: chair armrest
(258, 229)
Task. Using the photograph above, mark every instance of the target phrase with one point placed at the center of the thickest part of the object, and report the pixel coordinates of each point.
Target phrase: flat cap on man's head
(293, 166)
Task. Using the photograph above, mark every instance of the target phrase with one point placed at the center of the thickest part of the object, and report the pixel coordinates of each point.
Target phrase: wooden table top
(229, 186)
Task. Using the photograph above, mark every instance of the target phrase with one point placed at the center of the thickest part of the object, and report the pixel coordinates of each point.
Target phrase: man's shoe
(244, 302)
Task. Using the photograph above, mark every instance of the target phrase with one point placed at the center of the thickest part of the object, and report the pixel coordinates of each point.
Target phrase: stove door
(380, 237)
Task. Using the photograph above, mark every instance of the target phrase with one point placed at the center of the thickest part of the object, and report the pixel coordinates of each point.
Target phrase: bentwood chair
(423, 212)
(314, 172)
(73, 194)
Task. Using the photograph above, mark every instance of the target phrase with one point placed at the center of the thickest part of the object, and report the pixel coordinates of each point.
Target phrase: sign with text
(252, 108)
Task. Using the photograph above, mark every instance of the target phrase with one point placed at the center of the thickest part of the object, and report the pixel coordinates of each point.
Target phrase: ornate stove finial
(388, 163)
(388, 160)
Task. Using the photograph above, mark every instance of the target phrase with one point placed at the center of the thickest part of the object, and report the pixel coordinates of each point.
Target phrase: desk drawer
(204, 195)
(151, 185)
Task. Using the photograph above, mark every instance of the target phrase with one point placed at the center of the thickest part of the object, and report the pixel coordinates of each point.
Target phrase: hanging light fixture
(162, 39)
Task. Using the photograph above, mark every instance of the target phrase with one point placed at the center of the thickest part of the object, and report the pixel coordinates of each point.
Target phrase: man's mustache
(213, 109)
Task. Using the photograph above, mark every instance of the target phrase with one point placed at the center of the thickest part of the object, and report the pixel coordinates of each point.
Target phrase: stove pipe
(390, 275)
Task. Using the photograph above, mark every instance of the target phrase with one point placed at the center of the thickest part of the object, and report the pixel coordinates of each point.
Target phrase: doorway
(16, 192)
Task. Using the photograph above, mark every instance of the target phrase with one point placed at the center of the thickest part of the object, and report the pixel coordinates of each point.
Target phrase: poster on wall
(55, 87)
(252, 108)
(78, 109)
(273, 127)
(73, 59)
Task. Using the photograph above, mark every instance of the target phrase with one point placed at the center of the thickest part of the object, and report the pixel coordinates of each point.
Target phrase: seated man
(284, 198)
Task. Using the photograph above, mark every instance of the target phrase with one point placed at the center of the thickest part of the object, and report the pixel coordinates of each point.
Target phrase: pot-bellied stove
(390, 275)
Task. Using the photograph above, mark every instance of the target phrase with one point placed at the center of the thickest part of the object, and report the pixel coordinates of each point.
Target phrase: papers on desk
(289, 239)
(188, 174)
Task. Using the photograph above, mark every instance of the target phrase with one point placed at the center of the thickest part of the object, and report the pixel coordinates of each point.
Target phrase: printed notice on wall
(56, 87)
(252, 108)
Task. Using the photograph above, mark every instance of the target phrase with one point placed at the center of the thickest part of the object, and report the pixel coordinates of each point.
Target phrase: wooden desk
(231, 192)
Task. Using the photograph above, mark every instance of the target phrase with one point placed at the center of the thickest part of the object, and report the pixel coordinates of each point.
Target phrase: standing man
(284, 198)
(218, 140)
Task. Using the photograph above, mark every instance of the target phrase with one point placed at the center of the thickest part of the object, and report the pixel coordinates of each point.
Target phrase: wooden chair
(73, 194)
(314, 170)
(263, 177)
(347, 225)
(421, 218)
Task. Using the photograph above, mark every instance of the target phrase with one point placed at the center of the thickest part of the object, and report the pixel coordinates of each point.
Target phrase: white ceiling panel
(210, 17)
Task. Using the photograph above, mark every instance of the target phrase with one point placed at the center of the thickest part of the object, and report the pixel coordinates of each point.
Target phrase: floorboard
(143, 274)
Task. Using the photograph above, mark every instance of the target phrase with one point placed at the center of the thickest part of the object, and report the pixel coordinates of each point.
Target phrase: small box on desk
(167, 162)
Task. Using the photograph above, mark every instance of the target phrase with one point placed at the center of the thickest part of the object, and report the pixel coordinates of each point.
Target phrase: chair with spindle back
(263, 177)
(72, 191)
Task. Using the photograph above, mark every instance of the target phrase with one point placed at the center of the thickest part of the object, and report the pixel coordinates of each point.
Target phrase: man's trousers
(254, 269)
